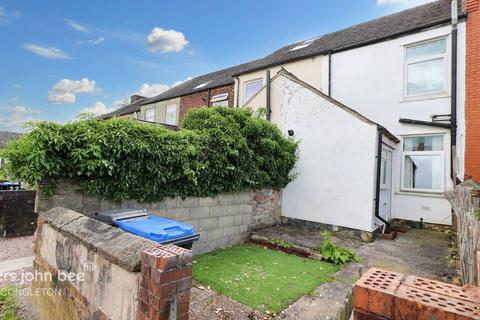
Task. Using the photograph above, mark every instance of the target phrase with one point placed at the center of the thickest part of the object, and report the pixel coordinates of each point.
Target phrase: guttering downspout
(269, 106)
(453, 93)
(330, 74)
(237, 81)
(377, 182)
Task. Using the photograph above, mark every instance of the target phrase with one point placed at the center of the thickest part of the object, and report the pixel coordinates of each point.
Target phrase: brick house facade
(202, 99)
(472, 105)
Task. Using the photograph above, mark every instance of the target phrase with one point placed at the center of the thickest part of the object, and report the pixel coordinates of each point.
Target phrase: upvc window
(150, 115)
(426, 68)
(251, 88)
(219, 100)
(423, 163)
(171, 114)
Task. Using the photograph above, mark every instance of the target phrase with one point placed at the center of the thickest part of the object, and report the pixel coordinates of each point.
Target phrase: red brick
(375, 291)
(202, 99)
(359, 314)
(184, 255)
(173, 275)
(184, 284)
(413, 303)
(440, 288)
(165, 290)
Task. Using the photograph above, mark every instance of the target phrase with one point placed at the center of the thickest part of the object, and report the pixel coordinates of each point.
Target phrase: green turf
(8, 307)
(263, 279)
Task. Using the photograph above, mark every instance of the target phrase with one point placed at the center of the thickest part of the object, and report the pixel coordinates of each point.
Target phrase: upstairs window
(171, 115)
(423, 163)
(150, 115)
(219, 100)
(251, 88)
(426, 68)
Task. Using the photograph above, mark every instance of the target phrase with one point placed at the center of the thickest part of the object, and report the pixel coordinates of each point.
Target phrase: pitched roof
(348, 109)
(381, 29)
(394, 25)
(6, 136)
(128, 109)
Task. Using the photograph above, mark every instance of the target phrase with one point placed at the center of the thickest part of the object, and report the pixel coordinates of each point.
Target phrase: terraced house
(378, 109)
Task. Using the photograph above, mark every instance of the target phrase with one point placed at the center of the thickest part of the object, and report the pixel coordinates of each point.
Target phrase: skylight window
(201, 85)
(304, 44)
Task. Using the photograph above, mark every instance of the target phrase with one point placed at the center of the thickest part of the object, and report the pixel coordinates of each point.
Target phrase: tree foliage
(218, 150)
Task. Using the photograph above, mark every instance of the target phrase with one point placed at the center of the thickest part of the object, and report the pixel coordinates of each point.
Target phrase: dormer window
(201, 85)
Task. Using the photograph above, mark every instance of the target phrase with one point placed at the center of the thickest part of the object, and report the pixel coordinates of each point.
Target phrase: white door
(386, 184)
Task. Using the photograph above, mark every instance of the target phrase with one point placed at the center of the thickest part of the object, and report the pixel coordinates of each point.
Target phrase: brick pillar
(472, 99)
(165, 282)
(385, 295)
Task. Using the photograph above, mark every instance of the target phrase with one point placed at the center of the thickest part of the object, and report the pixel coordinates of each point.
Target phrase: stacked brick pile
(165, 282)
(385, 295)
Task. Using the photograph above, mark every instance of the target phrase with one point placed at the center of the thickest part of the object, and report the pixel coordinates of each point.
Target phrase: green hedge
(218, 150)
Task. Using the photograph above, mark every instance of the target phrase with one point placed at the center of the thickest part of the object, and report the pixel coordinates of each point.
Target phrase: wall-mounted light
(291, 133)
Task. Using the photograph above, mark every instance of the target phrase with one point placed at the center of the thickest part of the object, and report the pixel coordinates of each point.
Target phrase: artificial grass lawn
(8, 307)
(263, 279)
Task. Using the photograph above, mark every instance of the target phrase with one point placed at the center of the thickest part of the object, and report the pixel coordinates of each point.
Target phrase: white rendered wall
(370, 80)
(336, 166)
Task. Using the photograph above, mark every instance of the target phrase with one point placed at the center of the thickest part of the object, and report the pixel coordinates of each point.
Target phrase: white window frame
(218, 99)
(446, 64)
(154, 113)
(245, 100)
(167, 113)
(423, 153)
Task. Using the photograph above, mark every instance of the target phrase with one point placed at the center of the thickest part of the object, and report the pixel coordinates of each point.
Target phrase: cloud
(76, 26)
(17, 86)
(65, 90)
(91, 42)
(151, 90)
(166, 40)
(46, 52)
(16, 118)
(98, 109)
(8, 16)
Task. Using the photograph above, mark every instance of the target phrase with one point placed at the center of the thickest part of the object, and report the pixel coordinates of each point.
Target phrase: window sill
(425, 97)
(421, 194)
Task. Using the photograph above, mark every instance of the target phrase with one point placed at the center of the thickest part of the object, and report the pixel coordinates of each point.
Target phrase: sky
(62, 58)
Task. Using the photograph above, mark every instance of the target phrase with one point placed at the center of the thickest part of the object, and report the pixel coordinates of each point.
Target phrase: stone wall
(85, 269)
(222, 221)
(17, 215)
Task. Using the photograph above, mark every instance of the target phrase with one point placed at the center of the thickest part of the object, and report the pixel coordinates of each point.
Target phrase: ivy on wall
(217, 150)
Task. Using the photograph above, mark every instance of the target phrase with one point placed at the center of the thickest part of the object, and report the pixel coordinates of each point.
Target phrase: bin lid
(156, 228)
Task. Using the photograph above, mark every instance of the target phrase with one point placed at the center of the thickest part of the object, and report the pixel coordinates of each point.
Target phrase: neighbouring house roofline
(353, 112)
(425, 123)
(6, 136)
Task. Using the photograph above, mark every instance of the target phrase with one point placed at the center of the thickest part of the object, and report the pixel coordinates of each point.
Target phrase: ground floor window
(171, 114)
(150, 115)
(220, 100)
(423, 163)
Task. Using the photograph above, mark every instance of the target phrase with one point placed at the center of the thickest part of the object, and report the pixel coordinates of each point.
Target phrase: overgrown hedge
(218, 150)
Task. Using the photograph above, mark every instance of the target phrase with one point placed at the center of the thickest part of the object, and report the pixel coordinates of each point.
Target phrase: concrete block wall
(222, 220)
(112, 274)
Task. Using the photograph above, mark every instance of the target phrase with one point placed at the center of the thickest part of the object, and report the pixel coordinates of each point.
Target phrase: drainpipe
(269, 106)
(237, 81)
(377, 183)
(208, 97)
(453, 99)
(330, 74)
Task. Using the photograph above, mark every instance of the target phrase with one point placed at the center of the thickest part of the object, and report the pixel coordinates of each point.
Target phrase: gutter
(377, 182)
(425, 123)
(453, 94)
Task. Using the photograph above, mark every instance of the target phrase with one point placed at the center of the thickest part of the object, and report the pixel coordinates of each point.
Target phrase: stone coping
(117, 246)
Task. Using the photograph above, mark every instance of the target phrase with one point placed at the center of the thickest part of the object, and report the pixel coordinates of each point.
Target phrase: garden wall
(85, 269)
(222, 220)
(17, 215)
